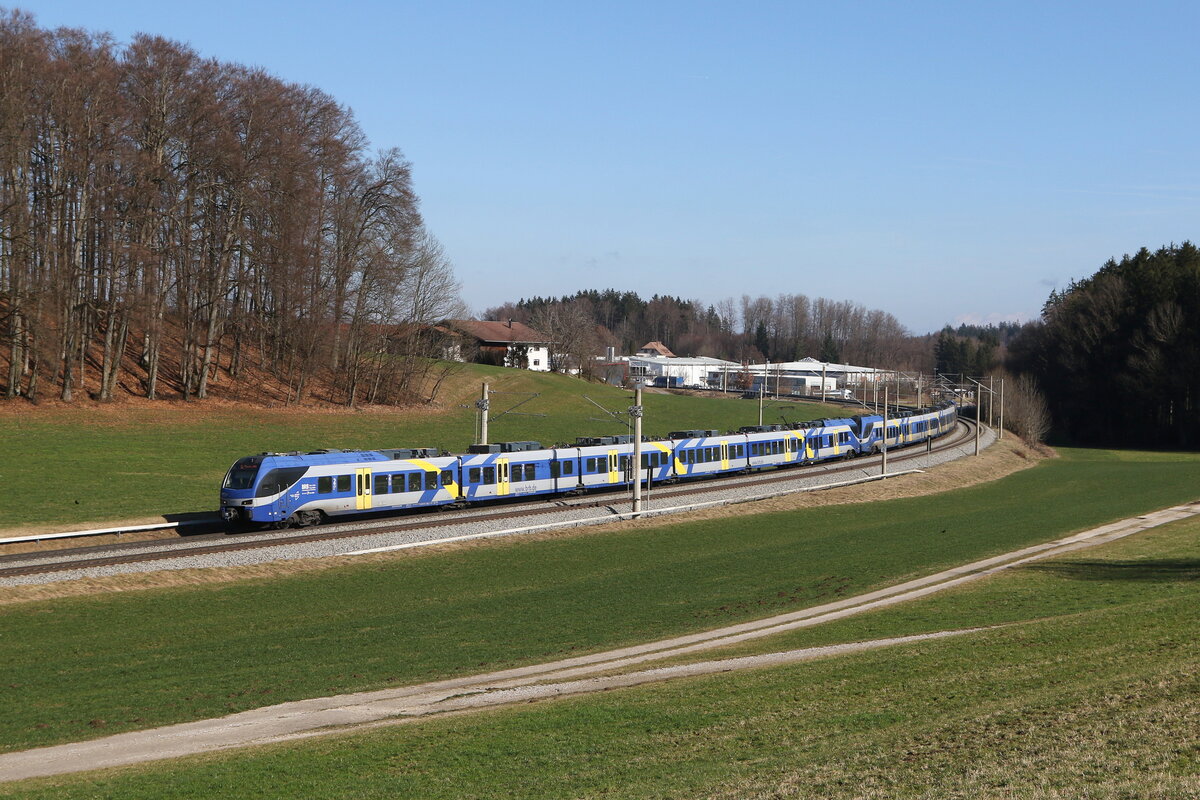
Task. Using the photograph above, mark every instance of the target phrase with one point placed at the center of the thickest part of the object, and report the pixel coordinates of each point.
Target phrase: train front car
(281, 489)
(254, 493)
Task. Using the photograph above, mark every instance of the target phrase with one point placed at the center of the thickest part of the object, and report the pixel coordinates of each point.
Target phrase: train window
(381, 484)
(530, 472)
(554, 469)
(343, 483)
(589, 465)
(489, 475)
(624, 464)
(568, 467)
(473, 476)
(430, 480)
(447, 477)
(691, 456)
(414, 481)
(325, 485)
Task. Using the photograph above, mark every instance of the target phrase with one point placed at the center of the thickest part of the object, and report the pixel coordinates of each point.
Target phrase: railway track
(110, 555)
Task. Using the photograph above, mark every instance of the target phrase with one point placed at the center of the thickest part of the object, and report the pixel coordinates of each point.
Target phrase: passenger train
(284, 489)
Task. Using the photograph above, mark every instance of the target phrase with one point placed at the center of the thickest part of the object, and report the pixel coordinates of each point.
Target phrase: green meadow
(1088, 685)
(85, 667)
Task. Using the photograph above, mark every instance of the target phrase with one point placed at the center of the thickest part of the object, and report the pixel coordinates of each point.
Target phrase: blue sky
(944, 162)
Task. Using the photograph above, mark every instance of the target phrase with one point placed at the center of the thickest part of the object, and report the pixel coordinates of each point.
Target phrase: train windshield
(242, 474)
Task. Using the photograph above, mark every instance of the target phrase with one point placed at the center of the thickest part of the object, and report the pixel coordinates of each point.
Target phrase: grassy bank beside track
(68, 466)
(87, 667)
(1090, 689)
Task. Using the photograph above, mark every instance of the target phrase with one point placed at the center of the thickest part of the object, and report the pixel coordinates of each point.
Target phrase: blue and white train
(282, 489)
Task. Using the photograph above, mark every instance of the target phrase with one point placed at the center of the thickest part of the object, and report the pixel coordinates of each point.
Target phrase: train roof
(335, 456)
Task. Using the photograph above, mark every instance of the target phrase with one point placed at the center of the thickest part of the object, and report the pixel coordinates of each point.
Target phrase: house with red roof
(502, 343)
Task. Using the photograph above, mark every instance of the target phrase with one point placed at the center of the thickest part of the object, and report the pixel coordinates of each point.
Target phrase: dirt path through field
(584, 674)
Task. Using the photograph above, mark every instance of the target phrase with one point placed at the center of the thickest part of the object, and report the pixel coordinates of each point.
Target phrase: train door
(362, 481)
(502, 479)
(614, 476)
(278, 508)
(724, 455)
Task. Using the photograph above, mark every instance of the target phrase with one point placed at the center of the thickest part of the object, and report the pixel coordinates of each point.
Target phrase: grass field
(1090, 688)
(70, 466)
(81, 668)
